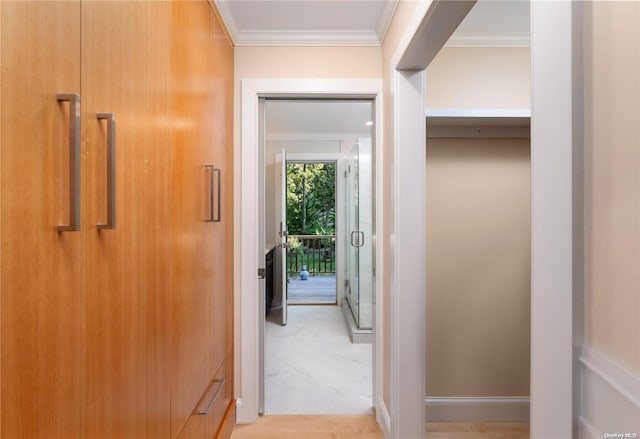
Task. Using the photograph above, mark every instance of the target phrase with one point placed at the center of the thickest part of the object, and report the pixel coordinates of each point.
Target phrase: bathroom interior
(319, 290)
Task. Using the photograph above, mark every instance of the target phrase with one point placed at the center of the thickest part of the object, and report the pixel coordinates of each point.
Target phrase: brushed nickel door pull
(111, 170)
(218, 218)
(210, 217)
(74, 161)
(206, 410)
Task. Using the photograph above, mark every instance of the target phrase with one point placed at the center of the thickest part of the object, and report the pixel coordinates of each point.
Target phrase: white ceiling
(304, 120)
(307, 22)
(494, 23)
(501, 23)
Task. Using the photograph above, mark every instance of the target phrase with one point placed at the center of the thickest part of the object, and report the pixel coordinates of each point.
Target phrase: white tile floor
(311, 367)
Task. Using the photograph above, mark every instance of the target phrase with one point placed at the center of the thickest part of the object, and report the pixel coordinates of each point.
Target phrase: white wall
(403, 16)
(480, 77)
(479, 267)
(611, 356)
(284, 62)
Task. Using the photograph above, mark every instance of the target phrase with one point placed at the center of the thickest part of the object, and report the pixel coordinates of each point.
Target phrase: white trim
(620, 380)
(338, 159)
(357, 336)
(383, 418)
(490, 39)
(408, 235)
(247, 220)
(384, 20)
(554, 186)
(478, 112)
(610, 395)
(588, 431)
(438, 23)
(553, 258)
(224, 9)
(478, 122)
(407, 255)
(412, 29)
(307, 38)
(313, 156)
(477, 409)
(478, 131)
(557, 218)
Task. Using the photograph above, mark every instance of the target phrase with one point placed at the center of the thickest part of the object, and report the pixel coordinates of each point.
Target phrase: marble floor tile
(311, 366)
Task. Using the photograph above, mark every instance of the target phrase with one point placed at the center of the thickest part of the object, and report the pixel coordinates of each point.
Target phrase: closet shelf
(478, 117)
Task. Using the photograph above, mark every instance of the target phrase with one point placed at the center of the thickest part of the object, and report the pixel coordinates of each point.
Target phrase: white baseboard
(489, 409)
(383, 418)
(610, 397)
(588, 431)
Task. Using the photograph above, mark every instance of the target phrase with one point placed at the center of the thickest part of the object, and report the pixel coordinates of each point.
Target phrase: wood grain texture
(228, 422)
(114, 333)
(477, 430)
(310, 426)
(221, 150)
(43, 297)
(365, 427)
(191, 238)
(123, 70)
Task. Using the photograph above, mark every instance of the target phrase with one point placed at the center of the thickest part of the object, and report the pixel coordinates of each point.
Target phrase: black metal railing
(315, 252)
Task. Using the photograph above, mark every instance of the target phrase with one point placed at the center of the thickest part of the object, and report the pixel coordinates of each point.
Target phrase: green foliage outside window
(311, 195)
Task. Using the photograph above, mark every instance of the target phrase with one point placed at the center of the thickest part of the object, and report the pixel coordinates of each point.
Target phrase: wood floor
(442, 430)
(310, 427)
(365, 427)
(316, 289)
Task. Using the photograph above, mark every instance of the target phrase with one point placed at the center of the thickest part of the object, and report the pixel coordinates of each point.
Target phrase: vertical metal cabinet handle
(360, 239)
(206, 410)
(352, 235)
(219, 217)
(74, 161)
(111, 170)
(215, 214)
(210, 218)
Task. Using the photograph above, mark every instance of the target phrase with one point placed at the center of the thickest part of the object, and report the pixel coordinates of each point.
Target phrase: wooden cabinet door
(125, 72)
(221, 149)
(42, 276)
(191, 232)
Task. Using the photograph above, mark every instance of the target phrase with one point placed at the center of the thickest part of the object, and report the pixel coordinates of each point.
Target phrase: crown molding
(307, 38)
(227, 17)
(384, 20)
(489, 39)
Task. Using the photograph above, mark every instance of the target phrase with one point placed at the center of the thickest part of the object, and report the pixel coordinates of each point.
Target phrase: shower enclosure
(358, 242)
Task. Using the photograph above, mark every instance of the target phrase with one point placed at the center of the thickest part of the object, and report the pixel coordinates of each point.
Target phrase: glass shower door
(353, 251)
(359, 202)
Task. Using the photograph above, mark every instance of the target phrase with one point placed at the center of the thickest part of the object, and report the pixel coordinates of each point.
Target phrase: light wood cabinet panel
(217, 400)
(222, 150)
(123, 70)
(43, 295)
(115, 333)
(192, 283)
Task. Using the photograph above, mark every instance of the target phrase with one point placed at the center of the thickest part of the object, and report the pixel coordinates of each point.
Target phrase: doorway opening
(311, 232)
(478, 232)
(318, 233)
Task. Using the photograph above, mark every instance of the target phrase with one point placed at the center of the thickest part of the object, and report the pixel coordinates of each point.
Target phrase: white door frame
(338, 159)
(556, 217)
(247, 259)
(557, 309)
